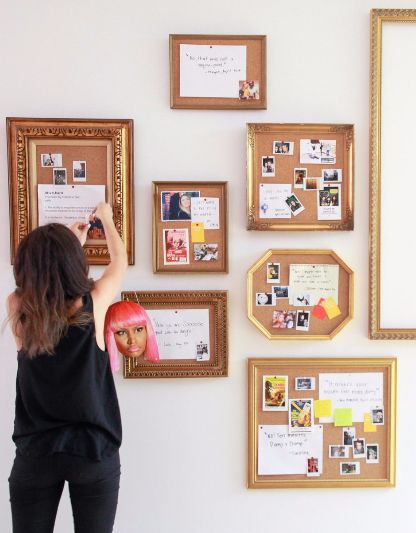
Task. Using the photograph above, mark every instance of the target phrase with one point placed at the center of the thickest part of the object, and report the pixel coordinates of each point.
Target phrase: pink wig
(127, 314)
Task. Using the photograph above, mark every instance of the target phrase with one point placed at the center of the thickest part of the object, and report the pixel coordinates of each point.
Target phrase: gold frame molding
(378, 17)
(311, 131)
(216, 302)
(20, 131)
(300, 252)
(255, 365)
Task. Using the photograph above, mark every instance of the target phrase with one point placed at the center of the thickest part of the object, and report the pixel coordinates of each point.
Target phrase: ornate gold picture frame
(47, 154)
(191, 329)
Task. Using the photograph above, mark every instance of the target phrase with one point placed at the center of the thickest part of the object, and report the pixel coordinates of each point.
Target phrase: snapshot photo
(329, 196)
(176, 205)
(302, 299)
(202, 353)
(59, 176)
(348, 435)
(205, 252)
(311, 184)
(264, 298)
(377, 416)
(317, 151)
(96, 229)
(300, 415)
(302, 320)
(283, 147)
(273, 273)
(79, 170)
(358, 448)
(299, 175)
(372, 455)
(304, 383)
(337, 450)
(249, 90)
(51, 160)
(295, 204)
(333, 174)
(268, 167)
(176, 246)
(280, 292)
(313, 467)
(275, 389)
(346, 469)
(283, 319)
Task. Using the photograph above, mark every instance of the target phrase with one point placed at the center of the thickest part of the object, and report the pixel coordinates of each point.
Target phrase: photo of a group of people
(59, 172)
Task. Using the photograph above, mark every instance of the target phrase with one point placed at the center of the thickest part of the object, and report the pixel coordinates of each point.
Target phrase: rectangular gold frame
(22, 188)
(255, 131)
(217, 366)
(255, 366)
(379, 17)
(256, 60)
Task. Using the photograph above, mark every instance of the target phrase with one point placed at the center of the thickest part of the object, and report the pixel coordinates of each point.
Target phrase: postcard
(317, 151)
(51, 160)
(302, 320)
(337, 450)
(280, 292)
(273, 273)
(79, 170)
(272, 200)
(268, 166)
(313, 280)
(331, 174)
(304, 383)
(275, 390)
(372, 454)
(283, 319)
(299, 175)
(211, 71)
(294, 204)
(348, 435)
(206, 211)
(377, 416)
(300, 415)
(205, 252)
(264, 298)
(176, 205)
(283, 147)
(358, 448)
(352, 468)
(176, 246)
(329, 203)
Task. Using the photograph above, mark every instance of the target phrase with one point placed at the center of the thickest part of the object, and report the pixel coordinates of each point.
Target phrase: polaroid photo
(79, 170)
(372, 454)
(317, 151)
(348, 435)
(358, 448)
(301, 299)
(205, 252)
(283, 319)
(337, 451)
(268, 166)
(299, 176)
(264, 298)
(377, 416)
(294, 204)
(312, 184)
(51, 160)
(313, 467)
(302, 320)
(280, 292)
(283, 147)
(300, 415)
(249, 90)
(329, 203)
(59, 176)
(352, 468)
(176, 246)
(202, 351)
(273, 273)
(332, 175)
(96, 229)
(275, 391)
(304, 383)
(176, 205)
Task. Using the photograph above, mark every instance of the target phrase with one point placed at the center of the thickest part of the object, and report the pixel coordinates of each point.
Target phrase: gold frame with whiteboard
(300, 177)
(177, 333)
(300, 294)
(379, 17)
(63, 154)
(305, 428)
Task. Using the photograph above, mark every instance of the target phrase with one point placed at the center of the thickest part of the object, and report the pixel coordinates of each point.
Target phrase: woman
(67, 424)
(180, 206)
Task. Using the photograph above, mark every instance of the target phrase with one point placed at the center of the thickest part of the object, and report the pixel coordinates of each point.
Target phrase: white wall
(184, 450)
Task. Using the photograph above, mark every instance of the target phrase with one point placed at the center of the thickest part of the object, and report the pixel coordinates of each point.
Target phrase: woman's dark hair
(51, 273)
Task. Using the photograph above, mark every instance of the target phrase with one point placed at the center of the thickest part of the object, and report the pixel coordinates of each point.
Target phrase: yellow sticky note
(369, 427)
(343, 417)
(197, 232)
(322, 408)
(331, 308)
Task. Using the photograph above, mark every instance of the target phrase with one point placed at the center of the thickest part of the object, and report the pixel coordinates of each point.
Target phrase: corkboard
(378, 474)
(255, 70)
(260, 139)
(319, 329)
(211, 236)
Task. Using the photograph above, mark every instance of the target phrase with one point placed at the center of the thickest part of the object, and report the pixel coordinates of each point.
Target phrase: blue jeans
(36, 485)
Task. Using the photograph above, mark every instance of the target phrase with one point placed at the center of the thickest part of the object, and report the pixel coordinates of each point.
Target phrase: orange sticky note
(331, 308)
(318, 310)
(322, 408)
(197, 232)
(369, 427)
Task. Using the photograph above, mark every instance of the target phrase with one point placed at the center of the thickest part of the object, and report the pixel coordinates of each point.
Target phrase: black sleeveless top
(67, 402)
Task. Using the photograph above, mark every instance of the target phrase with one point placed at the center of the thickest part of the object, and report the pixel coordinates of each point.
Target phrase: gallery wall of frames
(265, 240)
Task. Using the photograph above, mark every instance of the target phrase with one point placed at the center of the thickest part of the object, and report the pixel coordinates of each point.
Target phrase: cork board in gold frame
(262, 316)
(200, 251)
(215, 303)
(255, 64)
(284, 146)
(105, 147)
(380, 474)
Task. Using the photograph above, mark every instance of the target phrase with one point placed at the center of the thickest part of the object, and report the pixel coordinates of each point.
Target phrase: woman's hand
(80, 229)
(103, 211)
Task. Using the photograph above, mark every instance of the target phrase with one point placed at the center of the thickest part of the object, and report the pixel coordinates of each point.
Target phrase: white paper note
(211, 70)
(206, 211)
(282, 453)
(359, 391)
(181, 333)
(67, 204)
(272, 200)
(312, 282)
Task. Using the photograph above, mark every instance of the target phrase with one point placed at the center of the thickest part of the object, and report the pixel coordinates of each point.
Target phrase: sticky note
(369, 427)
(322, 408)
(343, 417)
(318, 310)
(331, 308)
(197, 232)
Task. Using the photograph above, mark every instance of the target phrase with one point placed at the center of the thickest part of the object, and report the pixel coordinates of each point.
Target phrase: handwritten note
(181, 333)
(282, 453)
(360, 391)
(207, 211)
(272, 200)
(313, 282)
(211, 70)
